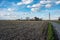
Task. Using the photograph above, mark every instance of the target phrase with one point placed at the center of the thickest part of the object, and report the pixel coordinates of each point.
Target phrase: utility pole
(49, 15)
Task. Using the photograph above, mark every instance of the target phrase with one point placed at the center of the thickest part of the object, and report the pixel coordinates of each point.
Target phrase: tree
(18, 19)
(36, 18)
(59, 19)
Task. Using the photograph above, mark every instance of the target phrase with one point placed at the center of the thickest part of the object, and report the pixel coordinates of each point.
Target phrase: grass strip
(50, 34)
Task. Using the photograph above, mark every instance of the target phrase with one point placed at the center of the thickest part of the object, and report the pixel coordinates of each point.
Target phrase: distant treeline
(34, 19)
(28, 19)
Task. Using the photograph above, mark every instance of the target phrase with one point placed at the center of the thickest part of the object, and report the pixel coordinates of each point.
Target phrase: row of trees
(37, 19)
(34, 19)
(28, 19)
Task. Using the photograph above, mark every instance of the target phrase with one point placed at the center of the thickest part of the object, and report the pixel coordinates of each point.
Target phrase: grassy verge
(50, 32)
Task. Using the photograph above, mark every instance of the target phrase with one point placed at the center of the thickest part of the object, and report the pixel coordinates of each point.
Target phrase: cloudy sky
(16, 9)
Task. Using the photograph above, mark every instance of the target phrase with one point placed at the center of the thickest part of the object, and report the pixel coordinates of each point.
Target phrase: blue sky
(16, 9)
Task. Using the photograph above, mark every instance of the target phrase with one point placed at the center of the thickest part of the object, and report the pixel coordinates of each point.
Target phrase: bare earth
(23, 30)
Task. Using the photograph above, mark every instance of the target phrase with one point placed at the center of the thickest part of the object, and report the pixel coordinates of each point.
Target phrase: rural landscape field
(29, 19)
(23, 30)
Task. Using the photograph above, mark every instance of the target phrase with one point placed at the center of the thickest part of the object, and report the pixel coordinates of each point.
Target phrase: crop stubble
(23, 30)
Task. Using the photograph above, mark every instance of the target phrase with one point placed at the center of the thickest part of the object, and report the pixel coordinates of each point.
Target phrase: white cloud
(13, 16)
(10, 9)
(28, 6)
(45, 2)
(57, 2)
(25, 2)
(42, 2)
(19, 3)
(34, 9)
(1, 14)
(48, 5)
(36, 5)
(5, 14)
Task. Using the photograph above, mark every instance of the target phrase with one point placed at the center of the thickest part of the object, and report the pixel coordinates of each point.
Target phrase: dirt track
(27, 30)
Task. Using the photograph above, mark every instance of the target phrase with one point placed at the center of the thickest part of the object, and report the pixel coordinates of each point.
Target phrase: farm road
(56, 27)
